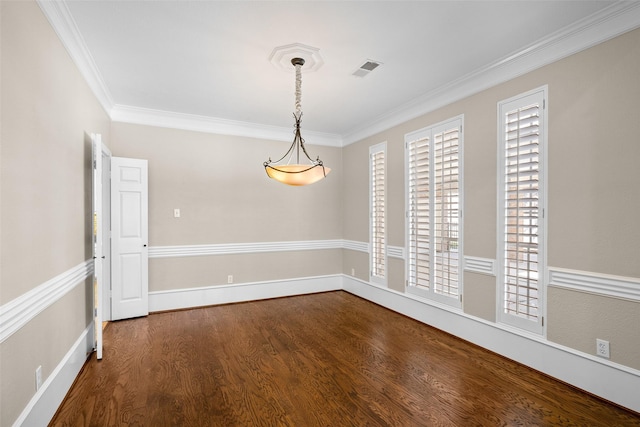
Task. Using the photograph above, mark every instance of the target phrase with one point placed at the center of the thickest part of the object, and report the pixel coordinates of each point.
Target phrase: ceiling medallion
(281, 57)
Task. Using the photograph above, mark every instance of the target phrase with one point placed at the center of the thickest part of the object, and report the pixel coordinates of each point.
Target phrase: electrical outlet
(230, 279)
(38, 377)
(176, 213)
(353, 272)
(602, 348)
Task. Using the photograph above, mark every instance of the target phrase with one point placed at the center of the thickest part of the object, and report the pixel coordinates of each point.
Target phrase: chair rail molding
(480, 265)
(21, 310)
(595, 283)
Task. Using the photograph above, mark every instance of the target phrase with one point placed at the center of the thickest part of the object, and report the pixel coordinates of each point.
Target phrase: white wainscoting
(475, 264)
(611, 381)
(225, 294)
(44, 404)
(354, 245)
(601, 377)
(259, 247)
(595, 283)
(242, 248)
(20, 311)
(395, 252)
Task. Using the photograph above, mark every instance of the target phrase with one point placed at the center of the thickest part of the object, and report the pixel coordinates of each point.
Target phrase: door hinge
(543, 321)
(95, 166)
(544, 104)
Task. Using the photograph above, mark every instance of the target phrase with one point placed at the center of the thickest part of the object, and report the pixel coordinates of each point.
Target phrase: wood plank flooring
(329, 359)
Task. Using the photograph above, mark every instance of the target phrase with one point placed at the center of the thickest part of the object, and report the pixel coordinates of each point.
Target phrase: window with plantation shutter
(419, 237)
(377, 206)
(446, 211)
(433, 165)
(521, 245)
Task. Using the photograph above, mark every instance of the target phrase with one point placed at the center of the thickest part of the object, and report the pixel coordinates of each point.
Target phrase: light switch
(176, 213)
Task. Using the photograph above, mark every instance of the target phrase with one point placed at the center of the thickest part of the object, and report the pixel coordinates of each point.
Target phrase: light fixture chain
(298, 112)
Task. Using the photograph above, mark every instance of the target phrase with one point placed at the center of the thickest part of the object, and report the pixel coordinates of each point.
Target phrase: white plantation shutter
(446, 212)
(521, 270)
(433, 162)
(418, 214)
(377, 160)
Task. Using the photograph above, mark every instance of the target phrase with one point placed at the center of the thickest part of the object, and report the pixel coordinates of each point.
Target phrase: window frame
(430, 132)
(375, 278)
(540, 96)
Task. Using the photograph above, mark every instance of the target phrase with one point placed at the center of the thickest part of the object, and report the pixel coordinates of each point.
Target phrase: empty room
(382, 213)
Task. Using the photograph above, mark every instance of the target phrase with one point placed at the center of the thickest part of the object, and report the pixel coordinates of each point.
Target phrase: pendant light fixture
(296, 173)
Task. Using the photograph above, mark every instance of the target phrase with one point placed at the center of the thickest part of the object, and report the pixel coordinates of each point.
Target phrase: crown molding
(620, 17)
(617, 19)
(192, 122)
(60, 18)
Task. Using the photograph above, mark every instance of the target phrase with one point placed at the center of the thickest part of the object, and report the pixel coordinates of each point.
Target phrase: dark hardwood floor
(329, 359)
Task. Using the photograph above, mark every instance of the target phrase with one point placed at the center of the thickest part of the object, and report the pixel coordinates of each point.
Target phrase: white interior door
(129, 235)
(101, 159)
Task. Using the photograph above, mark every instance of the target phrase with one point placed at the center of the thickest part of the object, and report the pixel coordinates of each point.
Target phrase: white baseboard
(613, 382)
(225, 294)
(44, 404)
(610, 381)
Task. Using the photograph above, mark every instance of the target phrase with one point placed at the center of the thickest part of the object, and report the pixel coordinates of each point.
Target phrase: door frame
(101, 236)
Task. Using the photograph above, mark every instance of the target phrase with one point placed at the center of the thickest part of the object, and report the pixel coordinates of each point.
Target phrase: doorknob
(144, 246)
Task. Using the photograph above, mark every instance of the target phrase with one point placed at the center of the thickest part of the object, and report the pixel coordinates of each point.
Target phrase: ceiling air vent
(366, 68)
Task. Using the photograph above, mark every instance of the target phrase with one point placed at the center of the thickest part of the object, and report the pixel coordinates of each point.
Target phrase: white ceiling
(209, 60)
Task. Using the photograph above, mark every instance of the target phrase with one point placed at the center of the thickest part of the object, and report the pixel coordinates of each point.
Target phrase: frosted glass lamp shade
(297, 175)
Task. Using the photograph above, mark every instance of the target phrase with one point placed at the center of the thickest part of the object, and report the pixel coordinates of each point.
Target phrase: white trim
(60, 18)
(611, 381)
(224, 294)
(606, 24)
(395, 251)
(428, 133)
(192, 122)
(540, 96)
(354, 245)
(18, 312)
(44, 404)
(178, 251)
(595, 283)
(373, 150)
(612, 21)
(479, 265)
(242, 248)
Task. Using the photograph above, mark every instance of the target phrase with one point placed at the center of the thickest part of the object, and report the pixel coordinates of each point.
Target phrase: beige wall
(220, 186)
(48, 111)
(224, 195)
(593, 197)
(167, 274)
